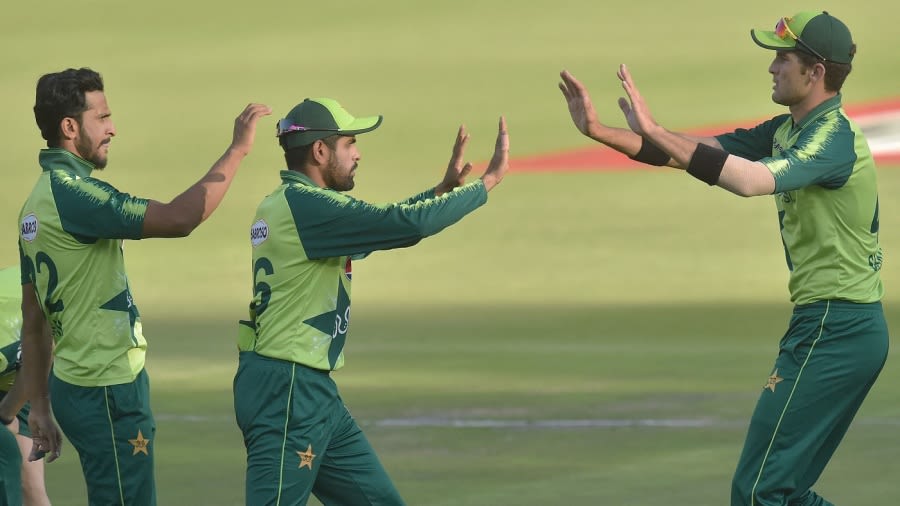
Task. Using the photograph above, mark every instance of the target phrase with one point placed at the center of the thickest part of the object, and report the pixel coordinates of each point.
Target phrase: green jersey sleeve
(425, 195)
(753, 143)
(824, 154)
(331, 224)
(91, 209)
(9, 357)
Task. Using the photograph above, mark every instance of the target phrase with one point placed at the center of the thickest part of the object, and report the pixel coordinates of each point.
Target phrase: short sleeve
(823, 155)
(754, 143)
(93, 209)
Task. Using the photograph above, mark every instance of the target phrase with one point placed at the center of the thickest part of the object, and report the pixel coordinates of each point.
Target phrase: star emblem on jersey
(774, 379)
(123, 302)
(307, 457)
(140, 444)
(334, 323)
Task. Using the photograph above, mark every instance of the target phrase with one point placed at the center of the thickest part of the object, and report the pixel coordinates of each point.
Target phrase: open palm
(581, 108)
(635, 109)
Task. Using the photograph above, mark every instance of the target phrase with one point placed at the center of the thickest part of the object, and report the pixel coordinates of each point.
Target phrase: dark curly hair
(61, 95)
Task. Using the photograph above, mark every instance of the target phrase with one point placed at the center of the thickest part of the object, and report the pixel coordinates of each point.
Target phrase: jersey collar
(292, 176)
(56, 158)
(820, 110)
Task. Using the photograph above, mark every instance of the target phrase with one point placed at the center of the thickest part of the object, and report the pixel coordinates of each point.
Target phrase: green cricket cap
(817, 33)
(318, 118)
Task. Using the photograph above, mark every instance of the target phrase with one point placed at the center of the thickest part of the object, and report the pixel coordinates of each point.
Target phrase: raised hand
(500, 161)
(456, 169)
(579, 101)
(245, 127)
(635, 108)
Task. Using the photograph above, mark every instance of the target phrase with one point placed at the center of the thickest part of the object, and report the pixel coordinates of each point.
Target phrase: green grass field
(519, 357)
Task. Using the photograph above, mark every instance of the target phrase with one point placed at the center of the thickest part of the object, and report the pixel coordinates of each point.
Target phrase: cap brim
(769, 40)
(357, 126)
(361, 125)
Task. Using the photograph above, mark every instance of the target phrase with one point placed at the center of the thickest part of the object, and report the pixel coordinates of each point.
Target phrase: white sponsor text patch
(29, 227)
(259, 232)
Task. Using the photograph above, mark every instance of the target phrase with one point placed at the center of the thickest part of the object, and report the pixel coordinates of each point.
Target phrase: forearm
(193, 206)
(621, 139)
(437, 191)
(358, 227)
(37, 350)
(207, 193)
(444, 211)
(37, 353)
(735, 174)
(631, 144)
(680, 148)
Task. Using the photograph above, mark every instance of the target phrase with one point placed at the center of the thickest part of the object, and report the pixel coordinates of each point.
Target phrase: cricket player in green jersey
(300, 438)
(28, 488)
(816, 162)
(72, 228)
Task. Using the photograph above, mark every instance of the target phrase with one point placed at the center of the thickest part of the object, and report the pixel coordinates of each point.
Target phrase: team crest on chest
(348, 269)
(29, 228)
(259, 232)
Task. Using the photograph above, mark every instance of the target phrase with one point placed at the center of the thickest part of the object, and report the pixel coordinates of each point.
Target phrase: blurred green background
(484, 362)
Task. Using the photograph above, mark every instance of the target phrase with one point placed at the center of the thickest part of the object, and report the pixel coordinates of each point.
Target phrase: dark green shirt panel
(91, 209)
(11, 355)
(425, 195)
(331, 224)
(754, 143)
(823, 155)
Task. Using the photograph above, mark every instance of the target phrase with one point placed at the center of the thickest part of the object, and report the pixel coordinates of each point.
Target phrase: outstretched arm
(346, 226)
(185, 212)
(623, 140)
(706, 161)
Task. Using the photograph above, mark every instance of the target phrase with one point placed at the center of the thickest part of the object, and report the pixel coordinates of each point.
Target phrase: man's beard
(85, 151)
(345, 183)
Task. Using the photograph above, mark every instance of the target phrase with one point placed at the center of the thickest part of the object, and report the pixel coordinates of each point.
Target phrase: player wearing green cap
(21, 481)
(72, 228)
(816, 162)
(300, 438)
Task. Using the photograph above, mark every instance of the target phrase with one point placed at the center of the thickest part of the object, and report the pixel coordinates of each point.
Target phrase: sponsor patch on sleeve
(29, 227)
(259, 232)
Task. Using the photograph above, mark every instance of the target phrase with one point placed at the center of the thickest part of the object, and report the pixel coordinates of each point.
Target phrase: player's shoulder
(70, 180)
(70, 188)
(308, 195)
(832, 129)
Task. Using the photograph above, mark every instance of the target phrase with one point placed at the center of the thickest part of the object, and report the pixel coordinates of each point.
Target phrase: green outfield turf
(584, 339)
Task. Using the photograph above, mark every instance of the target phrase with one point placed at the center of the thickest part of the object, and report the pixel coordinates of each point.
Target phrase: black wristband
(706, 163)
(4, 421)
(651, 154)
